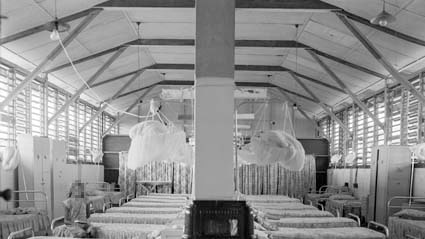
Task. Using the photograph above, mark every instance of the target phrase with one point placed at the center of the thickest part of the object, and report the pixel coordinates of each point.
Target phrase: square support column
(214, 100)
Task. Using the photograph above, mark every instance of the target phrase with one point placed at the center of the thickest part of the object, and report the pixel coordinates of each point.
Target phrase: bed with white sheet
(294, 213)
(409, 222)
(326, 233)
(145, 210)
(32, 213)
(128, 231)
(161, 219)
(270, 199)
(281, 206)
(153, 204)
(313, 222)
(158, 200)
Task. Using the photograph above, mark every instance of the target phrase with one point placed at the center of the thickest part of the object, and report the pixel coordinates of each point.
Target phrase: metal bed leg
(56, 220)
(355, 217)
(14, 234)
(379, 225)
(408, 236)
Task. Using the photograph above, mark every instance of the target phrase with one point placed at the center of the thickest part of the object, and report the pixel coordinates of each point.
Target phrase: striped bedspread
(12, 223)
(297, 213)
(151, 204)
(128, 231)
(144, 210)
(326, 233)
(270, 199)
(283, 206)
(401, 228)
(132, 218)
(314, 222)
(159, 200)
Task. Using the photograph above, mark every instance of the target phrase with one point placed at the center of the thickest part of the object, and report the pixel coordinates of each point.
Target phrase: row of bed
(33, 208)
(276, 217)
(151, 216)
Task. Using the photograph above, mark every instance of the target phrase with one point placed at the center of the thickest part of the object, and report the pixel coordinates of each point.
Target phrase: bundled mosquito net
(275, 146)
(156, 140)
(418, 151)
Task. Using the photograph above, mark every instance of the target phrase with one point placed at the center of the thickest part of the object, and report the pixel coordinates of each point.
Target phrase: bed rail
(25, 198)
(103, 186)
(355, 217)
(409, 204)
(375, 226)
(17, 233)
(56, 221)
(408, 236)
(410, 201)
(321, 206)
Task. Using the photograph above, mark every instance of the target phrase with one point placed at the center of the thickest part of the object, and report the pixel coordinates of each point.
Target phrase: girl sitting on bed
(76, 213)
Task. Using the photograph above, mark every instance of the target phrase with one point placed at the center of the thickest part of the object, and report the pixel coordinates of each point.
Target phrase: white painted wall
(339, 176)
(304, 129)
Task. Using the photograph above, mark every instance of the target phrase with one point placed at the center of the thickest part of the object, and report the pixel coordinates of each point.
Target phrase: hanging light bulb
(383, 18)
(56, 27)
(54, 36)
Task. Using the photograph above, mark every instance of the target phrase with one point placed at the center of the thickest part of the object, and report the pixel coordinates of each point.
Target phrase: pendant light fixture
(383, 18)
(56, 27)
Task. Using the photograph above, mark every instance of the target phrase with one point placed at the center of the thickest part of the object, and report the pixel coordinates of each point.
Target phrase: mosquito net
(275, 146)
(152, 141)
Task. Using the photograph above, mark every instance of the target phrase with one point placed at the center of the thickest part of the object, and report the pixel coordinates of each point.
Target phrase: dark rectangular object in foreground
(218, 219)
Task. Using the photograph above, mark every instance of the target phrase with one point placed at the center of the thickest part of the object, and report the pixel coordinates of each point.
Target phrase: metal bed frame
(27, 199)
(410, 206)
(105, 189)
(14, 235)
(44, 199)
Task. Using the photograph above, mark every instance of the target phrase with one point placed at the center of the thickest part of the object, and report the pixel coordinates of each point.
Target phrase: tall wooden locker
(390, 176)
(35, 168)
(63, 175)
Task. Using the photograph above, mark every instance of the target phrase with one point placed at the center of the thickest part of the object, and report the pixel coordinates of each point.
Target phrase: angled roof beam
(108, 101)
(322, 105)
(311, 79)
(129, 109)
(192, 67)
(238, 83)
(237, 68)
(42, 27)
(53, 54)
(347, 63)
(115, 78)
(245, 68)
(347, 90)
(380, 58)
(90, 81)
(238, 43)
(180, 42)
(383, 29)
(84, 59)
(306, 5)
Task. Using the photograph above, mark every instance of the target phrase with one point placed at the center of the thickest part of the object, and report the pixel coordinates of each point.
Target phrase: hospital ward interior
(212, 119)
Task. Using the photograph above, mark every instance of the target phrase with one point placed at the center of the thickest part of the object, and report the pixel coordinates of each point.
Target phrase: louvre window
(27, 115)
(406, 123)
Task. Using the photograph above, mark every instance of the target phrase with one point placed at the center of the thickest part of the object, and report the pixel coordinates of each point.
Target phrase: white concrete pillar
(214, 102)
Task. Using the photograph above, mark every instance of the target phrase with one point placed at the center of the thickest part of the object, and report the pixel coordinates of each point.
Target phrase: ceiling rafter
(312, 5)
(42, 27)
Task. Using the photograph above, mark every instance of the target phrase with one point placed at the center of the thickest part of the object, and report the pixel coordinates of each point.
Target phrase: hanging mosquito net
(275, 146)
(157, 139)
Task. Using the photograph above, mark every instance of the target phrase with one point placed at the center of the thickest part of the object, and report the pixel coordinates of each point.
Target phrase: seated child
(76, 213)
